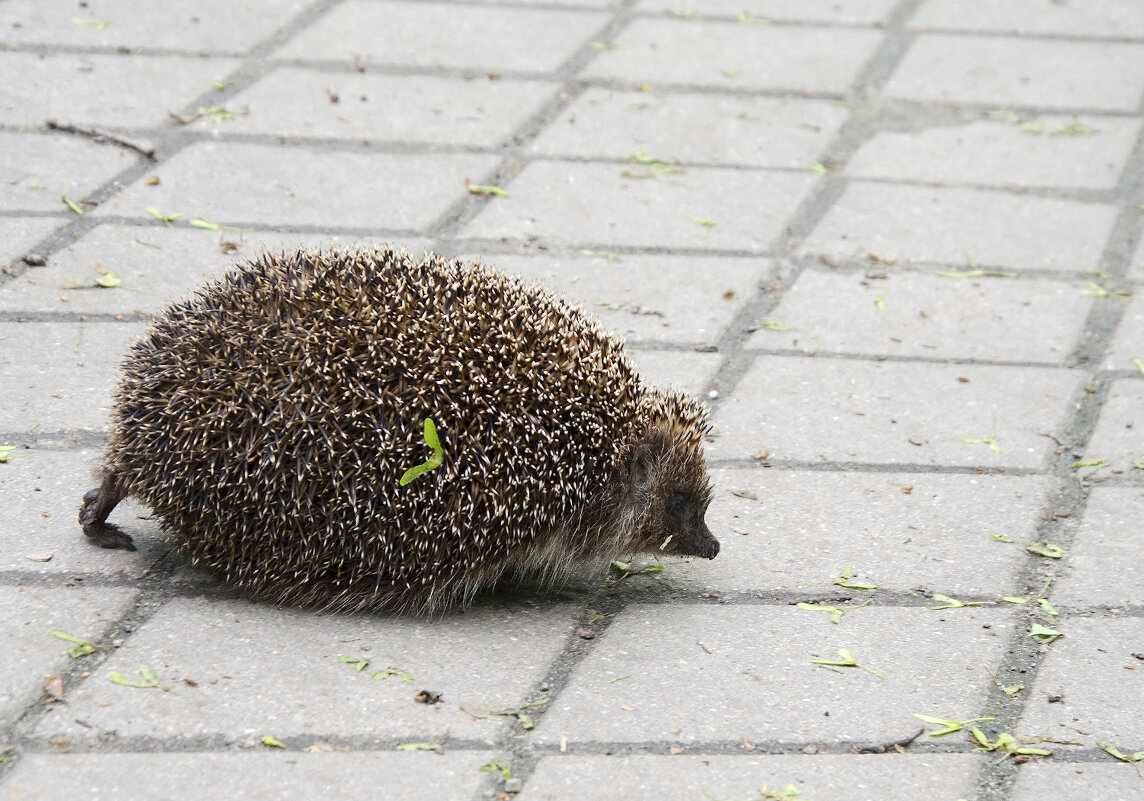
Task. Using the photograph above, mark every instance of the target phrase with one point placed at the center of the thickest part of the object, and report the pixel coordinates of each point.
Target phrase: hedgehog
(353, 428)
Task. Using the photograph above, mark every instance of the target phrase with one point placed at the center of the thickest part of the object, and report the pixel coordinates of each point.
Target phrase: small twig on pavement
(882, 748)
(101, 135)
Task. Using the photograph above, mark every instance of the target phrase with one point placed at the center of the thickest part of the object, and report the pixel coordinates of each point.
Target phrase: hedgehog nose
(708, 545)
(712, 549)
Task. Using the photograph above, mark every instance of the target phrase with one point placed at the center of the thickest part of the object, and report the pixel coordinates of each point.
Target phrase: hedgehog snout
(710, 548)
(706, 545)
(698, 542)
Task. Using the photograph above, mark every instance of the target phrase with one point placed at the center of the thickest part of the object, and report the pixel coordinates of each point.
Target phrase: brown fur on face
(667, 479)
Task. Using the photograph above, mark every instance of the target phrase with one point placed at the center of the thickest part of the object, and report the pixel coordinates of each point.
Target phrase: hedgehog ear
(642, 465)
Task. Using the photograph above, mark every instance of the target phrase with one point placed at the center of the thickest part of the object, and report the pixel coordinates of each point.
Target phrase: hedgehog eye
(677, 502)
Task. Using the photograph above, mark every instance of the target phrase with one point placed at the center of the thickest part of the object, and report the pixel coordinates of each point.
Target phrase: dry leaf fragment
(54, 688)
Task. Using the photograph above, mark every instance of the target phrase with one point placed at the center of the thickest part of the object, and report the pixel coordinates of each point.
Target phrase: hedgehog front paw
(87, 509)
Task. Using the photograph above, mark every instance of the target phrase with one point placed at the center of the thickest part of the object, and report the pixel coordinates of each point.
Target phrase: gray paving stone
(19, 234)
(30, 652)
(38, 168)
(1113, 18)
(710, 129)
(842, 11)
(1109, 539)
(1003, 71)
(156, 265)
(246, 183)
(42, 491)
(678, 299)
(594, 204)
(1136, 269)
(1119, 434)
(60, 376)
(208, 26)
(1129, 341)
(291, 101)
(963, 227)
(910, 314)
(265, 776)
(802, 529)
(702, 673)
(447, 35)
(1044, 781)
(684, 778)
(1082, 152)
(485, 660)
(693, 372)
(89, 89)
(857, 411)
(734, 56)
(1094, 670)
(609, 4)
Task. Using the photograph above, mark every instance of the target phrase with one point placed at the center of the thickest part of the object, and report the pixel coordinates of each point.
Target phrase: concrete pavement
(896, 243)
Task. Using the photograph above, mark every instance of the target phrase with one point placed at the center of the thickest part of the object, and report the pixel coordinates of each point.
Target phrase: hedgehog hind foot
(97, 505)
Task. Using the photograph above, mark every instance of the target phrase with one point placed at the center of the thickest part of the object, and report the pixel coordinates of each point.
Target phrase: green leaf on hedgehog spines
(433, 462)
